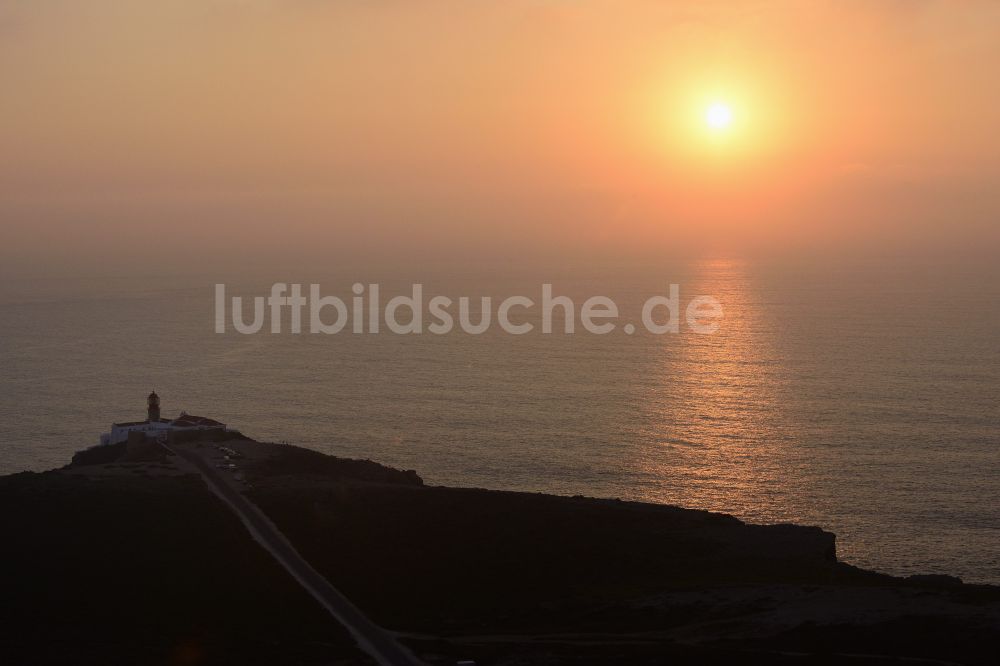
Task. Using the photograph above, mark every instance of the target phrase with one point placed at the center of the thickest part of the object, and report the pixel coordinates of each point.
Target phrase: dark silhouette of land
(371, 638)
(126, 557)
(140, 569)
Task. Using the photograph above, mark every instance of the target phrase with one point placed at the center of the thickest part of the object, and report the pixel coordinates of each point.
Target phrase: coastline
(498, 577)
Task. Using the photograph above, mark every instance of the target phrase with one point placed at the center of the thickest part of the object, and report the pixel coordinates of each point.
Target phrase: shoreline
(499, 577)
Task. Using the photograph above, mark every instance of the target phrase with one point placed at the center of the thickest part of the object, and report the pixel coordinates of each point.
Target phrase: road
(370, 637)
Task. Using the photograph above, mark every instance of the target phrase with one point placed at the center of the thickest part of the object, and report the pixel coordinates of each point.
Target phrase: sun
(718, 116)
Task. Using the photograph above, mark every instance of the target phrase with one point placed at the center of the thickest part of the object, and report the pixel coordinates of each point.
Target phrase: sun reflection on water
(715, 404)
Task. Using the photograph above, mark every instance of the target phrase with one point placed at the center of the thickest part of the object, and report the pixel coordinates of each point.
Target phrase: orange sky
(303, 131)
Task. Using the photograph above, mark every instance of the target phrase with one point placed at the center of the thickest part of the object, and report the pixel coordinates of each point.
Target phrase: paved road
(370, 637)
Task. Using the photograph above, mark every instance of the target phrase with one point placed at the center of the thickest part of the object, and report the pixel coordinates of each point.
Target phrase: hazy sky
(300, 131)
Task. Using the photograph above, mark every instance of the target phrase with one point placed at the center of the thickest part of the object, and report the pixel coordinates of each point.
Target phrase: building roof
(192, 421)
(137, 423)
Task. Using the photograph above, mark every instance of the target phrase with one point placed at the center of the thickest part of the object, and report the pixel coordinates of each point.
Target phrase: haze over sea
(865, 400)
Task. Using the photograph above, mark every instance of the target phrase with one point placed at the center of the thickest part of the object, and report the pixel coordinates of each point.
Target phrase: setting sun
(718, 116)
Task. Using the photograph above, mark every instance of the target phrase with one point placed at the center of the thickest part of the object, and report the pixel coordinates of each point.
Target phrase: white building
(156, 427)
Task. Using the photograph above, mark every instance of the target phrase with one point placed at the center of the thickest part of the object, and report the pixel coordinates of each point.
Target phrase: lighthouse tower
(153, 407)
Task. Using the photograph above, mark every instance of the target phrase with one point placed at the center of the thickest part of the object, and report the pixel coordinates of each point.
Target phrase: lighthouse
(153, 407)
(155, 427)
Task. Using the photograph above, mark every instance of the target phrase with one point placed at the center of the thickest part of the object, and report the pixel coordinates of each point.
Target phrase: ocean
(863, 400)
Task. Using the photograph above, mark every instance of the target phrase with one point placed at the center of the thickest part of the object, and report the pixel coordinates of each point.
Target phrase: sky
(170, 135)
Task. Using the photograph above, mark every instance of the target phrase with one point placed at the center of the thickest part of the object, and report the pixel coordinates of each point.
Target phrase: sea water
(863, 401)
